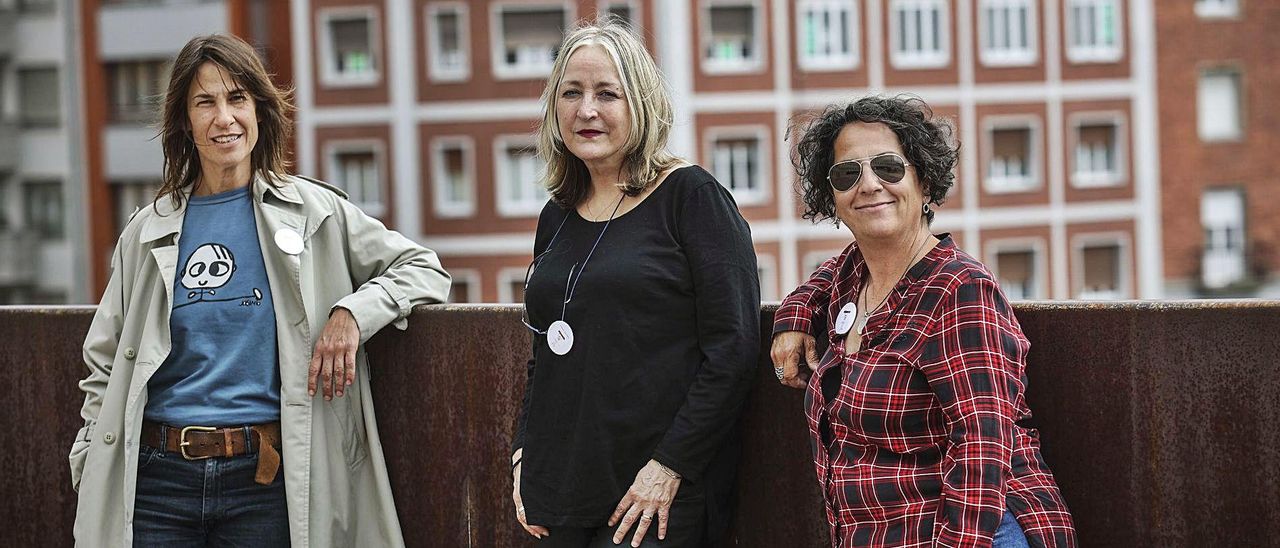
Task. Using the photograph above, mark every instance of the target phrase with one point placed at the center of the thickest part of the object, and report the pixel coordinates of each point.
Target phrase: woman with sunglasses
(644, 305)
(913, 410)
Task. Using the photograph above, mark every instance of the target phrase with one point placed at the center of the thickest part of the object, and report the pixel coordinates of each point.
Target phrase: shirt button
(130, 353)
(109, 438)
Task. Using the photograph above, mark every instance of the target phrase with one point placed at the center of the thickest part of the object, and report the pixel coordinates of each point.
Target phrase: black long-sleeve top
(666, 331)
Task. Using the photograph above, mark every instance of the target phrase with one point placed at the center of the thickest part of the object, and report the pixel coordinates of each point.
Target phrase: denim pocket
(147, 455)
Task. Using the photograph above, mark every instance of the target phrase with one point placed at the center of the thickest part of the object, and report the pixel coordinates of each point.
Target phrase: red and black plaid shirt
(915, 437)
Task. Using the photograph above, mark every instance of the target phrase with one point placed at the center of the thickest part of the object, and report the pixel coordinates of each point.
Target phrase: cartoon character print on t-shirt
(209, 268)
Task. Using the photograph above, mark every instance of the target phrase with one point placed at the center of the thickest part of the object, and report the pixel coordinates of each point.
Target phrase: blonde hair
(645, 154)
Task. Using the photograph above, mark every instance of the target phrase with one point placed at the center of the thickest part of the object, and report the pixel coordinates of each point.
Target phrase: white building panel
(132, 153)
(169, 25)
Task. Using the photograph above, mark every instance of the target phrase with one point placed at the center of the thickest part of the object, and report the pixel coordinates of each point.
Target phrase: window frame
(633, 7)
(436, 71)
(1117, 178)
(473, 279)
(1039, 261)
(1229, 9)
(497, 35)
(23, 113)
(1243, 227)
(918, 59)
(1079, 242)
(329, 75)
(767, 270)
(146, 112)
(760, 133)
(506, 207)
(448, 209)
(1222, 70)
(847, 61)
(753, 64)
(48, 230)
(1009, 185)
(334, 147)
(1008, 58)
(1093, 53)
(507, 276)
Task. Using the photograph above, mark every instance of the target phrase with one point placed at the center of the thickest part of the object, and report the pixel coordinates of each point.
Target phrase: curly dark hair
(926, 140)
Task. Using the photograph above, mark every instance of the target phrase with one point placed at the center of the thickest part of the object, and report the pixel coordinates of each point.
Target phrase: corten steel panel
(1155, 417)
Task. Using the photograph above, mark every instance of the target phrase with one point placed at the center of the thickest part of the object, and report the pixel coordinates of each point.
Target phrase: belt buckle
(183, 443)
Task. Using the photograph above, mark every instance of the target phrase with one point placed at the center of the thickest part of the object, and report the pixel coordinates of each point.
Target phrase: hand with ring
(537, 531)
(789, 350)
(650, 495)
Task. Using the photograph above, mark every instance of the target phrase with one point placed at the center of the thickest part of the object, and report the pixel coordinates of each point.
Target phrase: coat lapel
(277, 210)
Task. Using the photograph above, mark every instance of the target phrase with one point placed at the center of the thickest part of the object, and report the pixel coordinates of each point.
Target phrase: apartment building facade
(424, 110)
(1218, 137)
(40, 246)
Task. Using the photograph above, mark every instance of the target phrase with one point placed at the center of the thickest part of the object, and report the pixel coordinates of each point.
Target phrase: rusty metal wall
(1159, 420)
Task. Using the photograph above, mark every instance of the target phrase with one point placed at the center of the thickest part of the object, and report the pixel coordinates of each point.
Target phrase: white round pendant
(844, 321)
(560, 337)
(289, 241)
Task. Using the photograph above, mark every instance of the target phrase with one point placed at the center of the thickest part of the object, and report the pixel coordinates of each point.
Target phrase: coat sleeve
(99, 353)
(726, 285)
(391, 273)
(973, 363)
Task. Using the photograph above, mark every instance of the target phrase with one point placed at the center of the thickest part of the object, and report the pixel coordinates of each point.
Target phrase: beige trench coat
(335, 476)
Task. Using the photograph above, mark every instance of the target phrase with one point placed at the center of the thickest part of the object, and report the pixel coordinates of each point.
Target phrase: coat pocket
(80, 453)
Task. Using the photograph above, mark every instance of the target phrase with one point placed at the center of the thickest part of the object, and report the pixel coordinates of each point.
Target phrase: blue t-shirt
(222, 370)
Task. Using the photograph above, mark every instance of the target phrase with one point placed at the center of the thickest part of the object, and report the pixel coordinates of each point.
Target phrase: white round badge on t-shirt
(560, 337)
(844, 321)
(289, 241)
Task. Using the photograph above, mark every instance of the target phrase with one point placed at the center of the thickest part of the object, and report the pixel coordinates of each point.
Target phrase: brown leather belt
(202, 442)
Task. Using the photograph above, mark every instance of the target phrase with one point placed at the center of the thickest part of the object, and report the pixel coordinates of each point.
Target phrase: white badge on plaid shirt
(844, 321)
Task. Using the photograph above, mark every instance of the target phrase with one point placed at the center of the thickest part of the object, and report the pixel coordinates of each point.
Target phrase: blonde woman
(643, 301)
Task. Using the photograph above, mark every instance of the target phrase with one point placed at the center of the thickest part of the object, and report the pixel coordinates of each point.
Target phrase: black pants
(684, 528)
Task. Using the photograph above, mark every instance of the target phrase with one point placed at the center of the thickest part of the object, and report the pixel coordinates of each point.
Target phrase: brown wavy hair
(270, 156)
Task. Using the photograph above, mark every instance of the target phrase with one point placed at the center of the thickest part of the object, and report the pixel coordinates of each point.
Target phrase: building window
(918, 34)
(356, 167)
(827, 34)
(526, 38)
(448, 51)
(1222, 215)
(43, 208)
(453, 183)
(36, 6)
(1012, 164)
(129, 196)
(137, 88)
(1097, 159)
(625, 10)
(1102, 275)
(1018, 272)
(1218, 105)
(1093, 30)
(767, 274)
(1210, 9)
(733, 41)
(737, 162)
(465, 287)
(1008, 32)
(511, 285)
(519, 171)
(38, 96)
(349, 47)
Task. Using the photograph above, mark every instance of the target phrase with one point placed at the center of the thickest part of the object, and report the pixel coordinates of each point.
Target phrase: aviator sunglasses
(888, 167)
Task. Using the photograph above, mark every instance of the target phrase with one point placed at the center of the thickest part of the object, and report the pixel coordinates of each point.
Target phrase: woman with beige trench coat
(176, 337)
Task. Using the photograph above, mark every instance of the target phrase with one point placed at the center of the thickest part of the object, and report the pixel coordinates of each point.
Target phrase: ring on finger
(520, 510)
(777, 371)
(646, 517)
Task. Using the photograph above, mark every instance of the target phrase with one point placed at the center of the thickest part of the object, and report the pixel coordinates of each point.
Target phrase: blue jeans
(211, 502)
(1009, 534)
